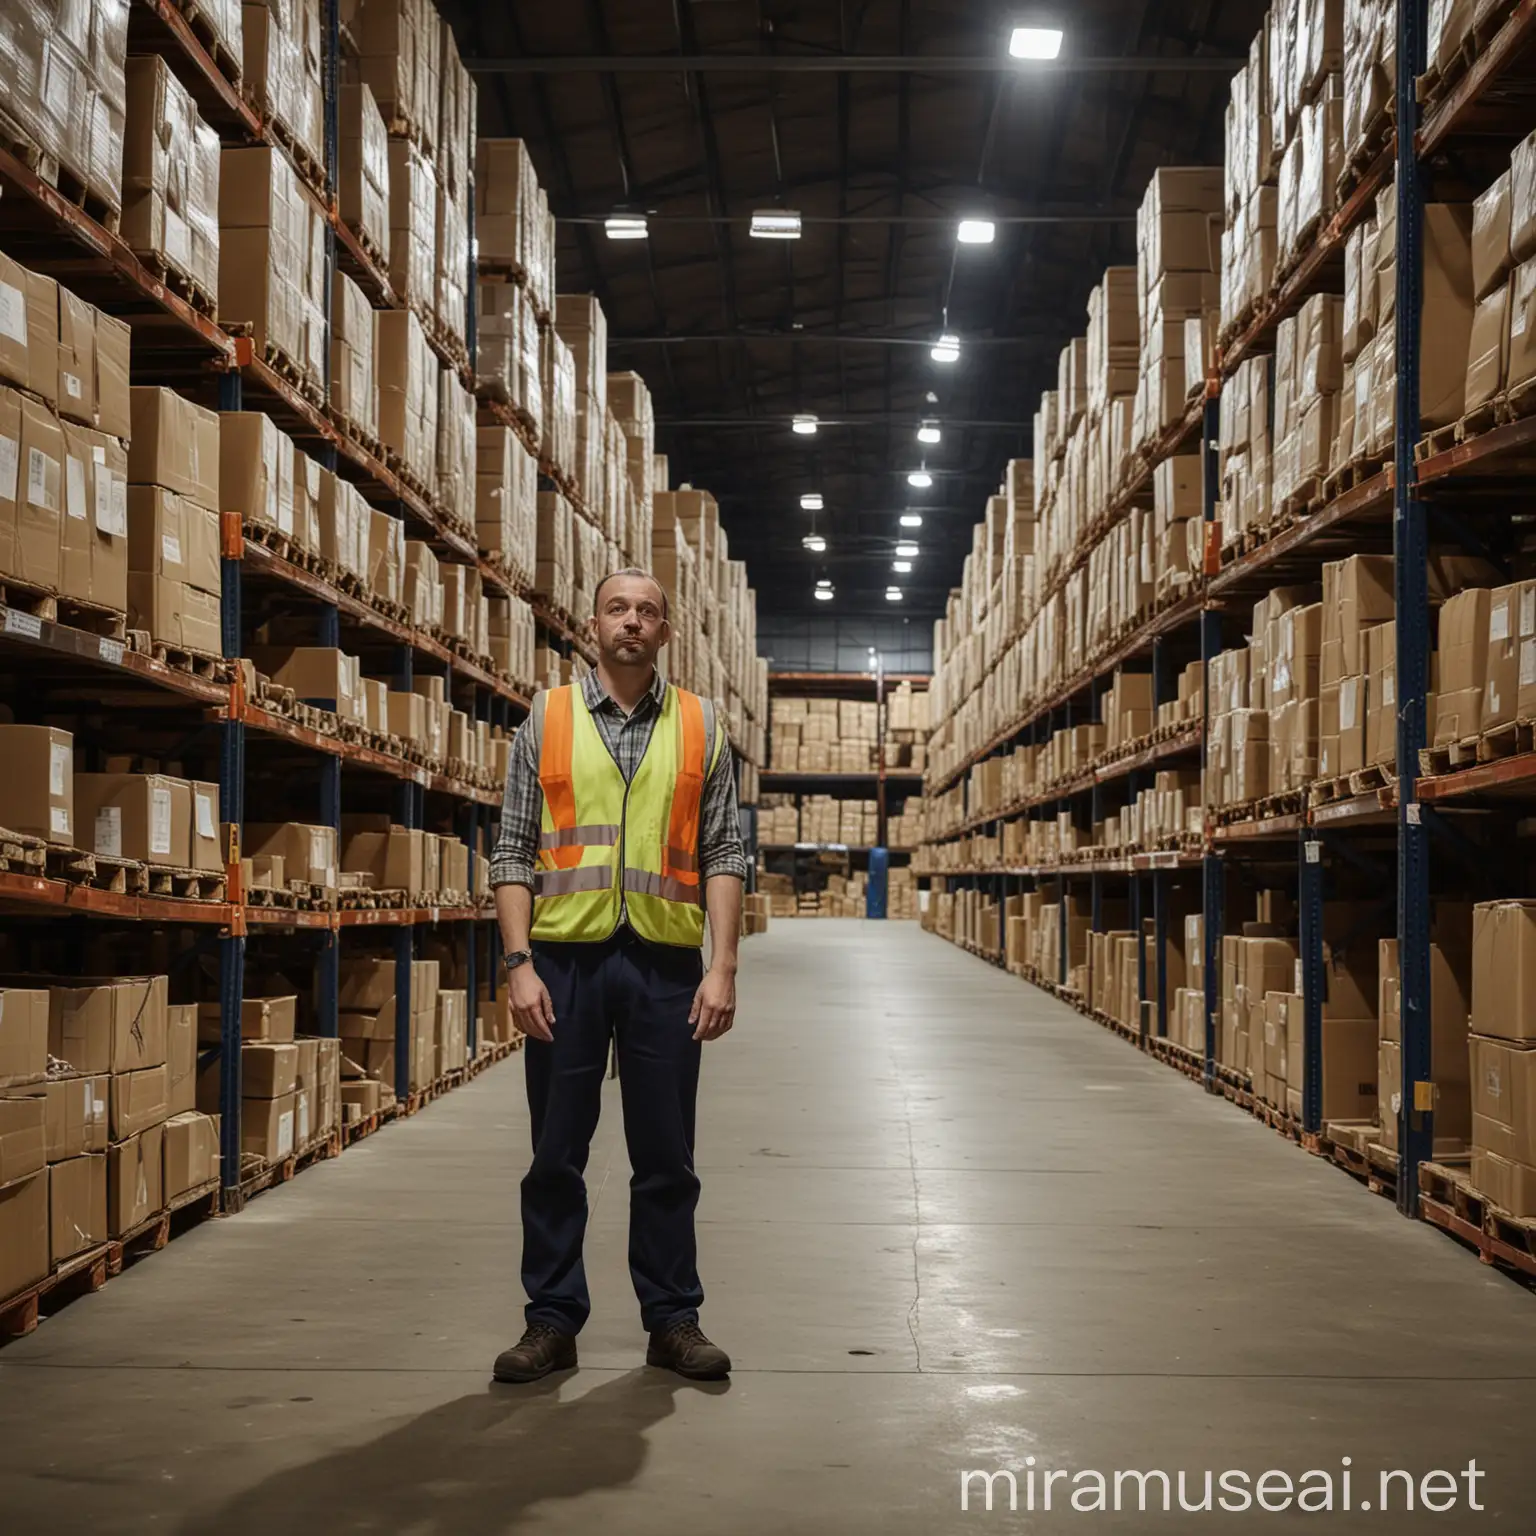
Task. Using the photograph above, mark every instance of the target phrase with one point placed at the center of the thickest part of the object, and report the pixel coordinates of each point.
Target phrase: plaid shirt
(626, 737)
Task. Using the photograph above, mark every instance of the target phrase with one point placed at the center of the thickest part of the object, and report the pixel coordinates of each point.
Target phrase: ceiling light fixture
(825, 583)
(920, 479)
(911, 519)
(815, 543)
(902, 567)
(805, 426)
(946, 349)
(824, 594)
(906, 551)
(626, 226)
(775, 224)
(811, 502)
(1035, 43)
(929, 433)
(976, 232)
(893, 594)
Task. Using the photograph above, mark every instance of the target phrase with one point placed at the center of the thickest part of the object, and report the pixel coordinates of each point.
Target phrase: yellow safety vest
(607, 848)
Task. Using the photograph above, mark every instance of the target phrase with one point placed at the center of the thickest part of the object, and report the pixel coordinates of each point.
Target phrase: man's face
(630, 627)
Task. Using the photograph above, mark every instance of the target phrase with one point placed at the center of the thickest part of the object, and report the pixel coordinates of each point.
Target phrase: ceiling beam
(848, 64)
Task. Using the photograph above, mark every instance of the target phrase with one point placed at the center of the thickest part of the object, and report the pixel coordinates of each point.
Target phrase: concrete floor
(947, 1224)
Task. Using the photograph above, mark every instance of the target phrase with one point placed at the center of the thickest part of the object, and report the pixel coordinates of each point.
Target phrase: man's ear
(666, 633)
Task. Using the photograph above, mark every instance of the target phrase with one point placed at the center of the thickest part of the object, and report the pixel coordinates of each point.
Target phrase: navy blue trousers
(639, 995)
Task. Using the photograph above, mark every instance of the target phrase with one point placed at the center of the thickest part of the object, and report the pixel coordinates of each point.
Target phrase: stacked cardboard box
(354, 393)
(399, 44)
(63, 88)
(1503, 1054)
(363, 170)
(272, 245)
(170, 176)
(282, 55)
(407, 377)
(173, 534)
(369, 1023)
(513, 225)
(507, 358)
(507, 501)
(580, 324)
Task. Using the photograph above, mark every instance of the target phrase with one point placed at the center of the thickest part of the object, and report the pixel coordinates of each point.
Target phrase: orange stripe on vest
(683, 828)
(556, 759)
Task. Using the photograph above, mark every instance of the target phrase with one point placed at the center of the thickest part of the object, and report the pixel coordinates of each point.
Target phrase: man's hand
(532, 1008)
(714, 1005)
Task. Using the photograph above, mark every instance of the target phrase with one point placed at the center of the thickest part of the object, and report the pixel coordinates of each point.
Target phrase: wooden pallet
(230, 65)
(183, 284)
(199, 664)
(62, 177)
(354, 1130)
(81, 1274)
(185, 884)
(1503, 741)
(270, 897)
(371, 248)
(21, 854)
(311, 169)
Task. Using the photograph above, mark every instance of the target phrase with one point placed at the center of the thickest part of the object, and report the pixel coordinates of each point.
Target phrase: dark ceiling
(736, 335)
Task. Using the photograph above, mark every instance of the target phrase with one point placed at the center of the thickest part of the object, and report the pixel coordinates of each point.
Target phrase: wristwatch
(518, 957)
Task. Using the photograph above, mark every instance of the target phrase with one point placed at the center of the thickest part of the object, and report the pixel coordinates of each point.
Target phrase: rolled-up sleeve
(720, 850)
(522, 810)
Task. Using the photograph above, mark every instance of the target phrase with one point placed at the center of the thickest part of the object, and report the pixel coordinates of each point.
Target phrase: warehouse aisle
(947, 1224)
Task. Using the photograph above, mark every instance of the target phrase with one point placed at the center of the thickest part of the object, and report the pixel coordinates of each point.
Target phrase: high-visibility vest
(608, 848)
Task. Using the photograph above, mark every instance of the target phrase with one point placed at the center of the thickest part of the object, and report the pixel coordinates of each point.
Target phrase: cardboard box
(256, 470)
(176, 613)
(23, 1036)
(361, 1094)
(143, 816)
(77, 1206)
(138, 1100)
(1508, 1185)
(1503, 1098)
(175, 444)
(268, 1127)
(1504, 970)
(171, 537)
(135, 1185)
(10, 479)
(308, 852)
(113, 398)
(36, 554)
(181, 1057)
(1491, 256)
(23, 1135)
(76, 1115)
(265, 1020)
(268, 1070)
(23, 1233)
(109, 1026)
(93, 555)
(207, 851)
(37, 782)
(191, 1153)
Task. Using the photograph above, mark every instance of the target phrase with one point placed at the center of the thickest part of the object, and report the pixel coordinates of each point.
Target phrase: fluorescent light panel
(1035, 43)
(902, 567)
(804, 425)
(815, 543)
(824, 594)
(626, 226)
(946, 349)
(920, 479)
(811, 502)
(976, 232)
(905, 551)
(775, 224)
(893, 594)
(911, 520)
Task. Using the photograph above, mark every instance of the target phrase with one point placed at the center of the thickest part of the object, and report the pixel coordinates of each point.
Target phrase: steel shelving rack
(1389, 836)
(176, 344)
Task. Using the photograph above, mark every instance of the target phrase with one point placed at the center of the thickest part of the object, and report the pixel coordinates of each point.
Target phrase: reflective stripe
(570, 882)
(580, 837)
(683, 863)
(641, 882)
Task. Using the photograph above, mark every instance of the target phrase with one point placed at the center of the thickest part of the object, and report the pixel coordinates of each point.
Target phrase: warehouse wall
(797, 643)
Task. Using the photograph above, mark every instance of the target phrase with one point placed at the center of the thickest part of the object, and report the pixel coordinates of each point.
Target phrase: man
(619, 831)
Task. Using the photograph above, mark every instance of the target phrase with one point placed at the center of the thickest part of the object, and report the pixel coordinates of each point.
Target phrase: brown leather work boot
(684, 1349)
(540, 1351)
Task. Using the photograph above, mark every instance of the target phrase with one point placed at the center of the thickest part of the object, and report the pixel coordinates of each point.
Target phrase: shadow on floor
(472, 1467)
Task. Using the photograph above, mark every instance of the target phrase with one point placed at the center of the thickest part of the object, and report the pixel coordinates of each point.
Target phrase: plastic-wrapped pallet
(506, 501)
(281, 48)
(513, 228)
(354, 394)
(170, 177)
(557, 373)
(363, 180)
(272, 261)
(400, 42)
(407, 373)
(63, 86)
(456, 449)
(507, 353)
(412, 225)
(450, 283)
